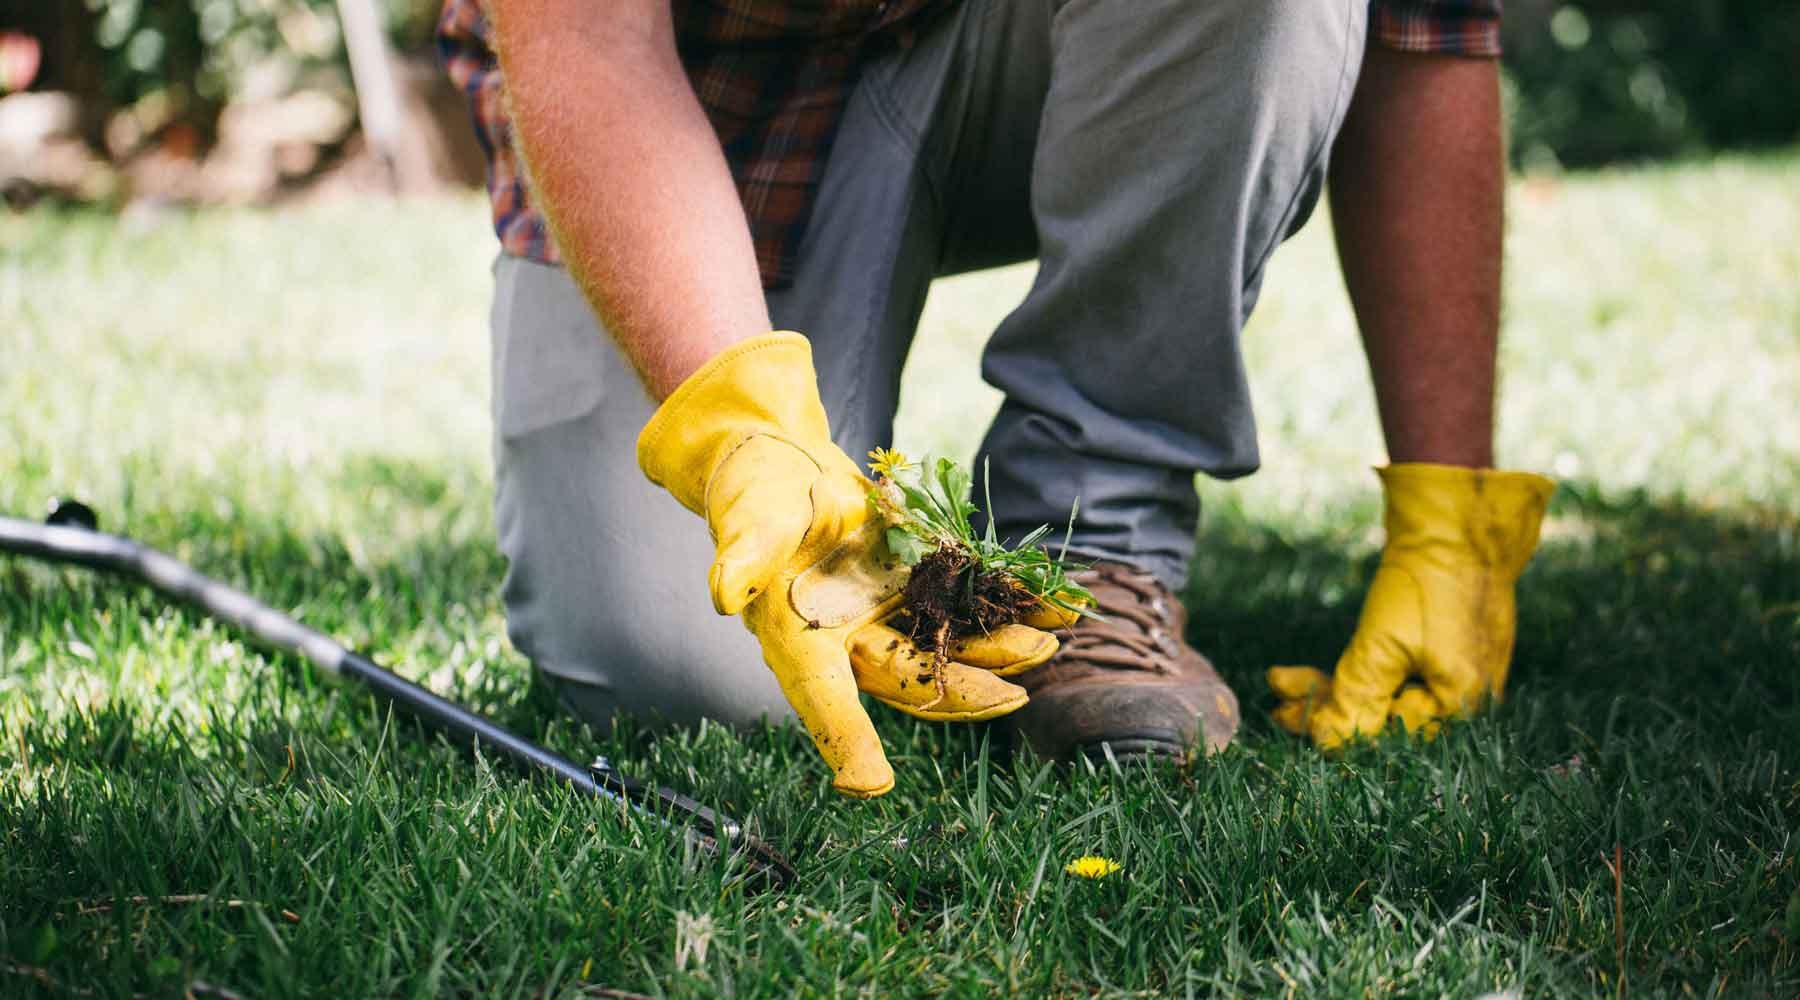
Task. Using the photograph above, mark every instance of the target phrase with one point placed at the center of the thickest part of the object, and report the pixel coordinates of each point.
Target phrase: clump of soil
(951, 596)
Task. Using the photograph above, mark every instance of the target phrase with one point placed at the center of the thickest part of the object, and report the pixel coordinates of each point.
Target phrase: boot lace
(1138, 633)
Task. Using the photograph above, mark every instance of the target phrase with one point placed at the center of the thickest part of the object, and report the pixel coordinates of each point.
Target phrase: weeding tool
(71, 535)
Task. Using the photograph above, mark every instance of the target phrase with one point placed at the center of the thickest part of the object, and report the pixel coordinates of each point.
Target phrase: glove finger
(819, 683)
(1007, 650)
(759, 508)
(1362, 690)
(1293, 716)
(889, 666)
(1299, 683)
(1418, 710)
(1301, 689)
(1048, 616)
(1458, 684)
(1496, 681)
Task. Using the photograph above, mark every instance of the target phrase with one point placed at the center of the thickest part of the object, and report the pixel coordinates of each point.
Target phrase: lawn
(297, 402)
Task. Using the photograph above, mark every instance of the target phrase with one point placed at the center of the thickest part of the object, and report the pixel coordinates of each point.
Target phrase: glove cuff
(1491, 514)
(764, 385)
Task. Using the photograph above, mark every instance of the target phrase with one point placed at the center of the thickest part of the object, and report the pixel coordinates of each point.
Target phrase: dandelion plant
(928, 514)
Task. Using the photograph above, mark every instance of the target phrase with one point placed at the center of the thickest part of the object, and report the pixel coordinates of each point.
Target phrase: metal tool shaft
(125, 557)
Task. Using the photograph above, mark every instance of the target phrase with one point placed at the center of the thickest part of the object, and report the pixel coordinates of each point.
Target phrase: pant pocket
(550, 355)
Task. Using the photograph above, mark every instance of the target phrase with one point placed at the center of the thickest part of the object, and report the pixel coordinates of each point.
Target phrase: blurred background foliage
(187, 59)
(1600, 81)
(1589, 82)
(213, 48)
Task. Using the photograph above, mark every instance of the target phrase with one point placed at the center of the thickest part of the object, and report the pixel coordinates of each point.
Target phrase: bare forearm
(630, 174)
(1417, 193)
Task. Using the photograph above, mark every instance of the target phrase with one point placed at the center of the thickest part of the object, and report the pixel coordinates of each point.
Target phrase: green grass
(297, 403)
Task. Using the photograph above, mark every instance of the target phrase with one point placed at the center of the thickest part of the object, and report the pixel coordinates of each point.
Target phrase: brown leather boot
(1130, 682)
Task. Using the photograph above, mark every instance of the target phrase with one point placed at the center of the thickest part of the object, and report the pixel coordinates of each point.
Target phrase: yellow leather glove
(1436, 634)
(744, 443)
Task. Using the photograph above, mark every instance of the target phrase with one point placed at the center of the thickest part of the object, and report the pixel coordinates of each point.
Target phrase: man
(675, 179)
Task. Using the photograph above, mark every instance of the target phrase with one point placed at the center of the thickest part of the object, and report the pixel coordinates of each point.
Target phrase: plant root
(949, 597)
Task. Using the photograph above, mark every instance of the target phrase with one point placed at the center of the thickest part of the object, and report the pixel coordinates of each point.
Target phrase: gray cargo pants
(1150, 154)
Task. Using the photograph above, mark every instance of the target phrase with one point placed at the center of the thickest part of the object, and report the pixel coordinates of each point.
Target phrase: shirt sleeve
(1447, 27)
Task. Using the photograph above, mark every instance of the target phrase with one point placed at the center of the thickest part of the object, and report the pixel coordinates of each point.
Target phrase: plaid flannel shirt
(774, 78)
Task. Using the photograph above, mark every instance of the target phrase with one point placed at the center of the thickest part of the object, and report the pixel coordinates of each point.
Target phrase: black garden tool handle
(72, 537)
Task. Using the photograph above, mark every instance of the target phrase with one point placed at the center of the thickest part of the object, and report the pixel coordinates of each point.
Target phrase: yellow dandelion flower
(884, 462)
(1091, 866)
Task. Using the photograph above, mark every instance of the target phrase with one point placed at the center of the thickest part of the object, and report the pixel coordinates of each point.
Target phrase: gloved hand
(744, 443)
(1435, 638)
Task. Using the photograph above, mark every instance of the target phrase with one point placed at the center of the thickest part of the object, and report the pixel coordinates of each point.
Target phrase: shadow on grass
(1636, 611)
(1655, 661)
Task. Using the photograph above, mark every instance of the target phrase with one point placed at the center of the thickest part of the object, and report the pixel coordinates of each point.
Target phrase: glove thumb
(758, 518)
